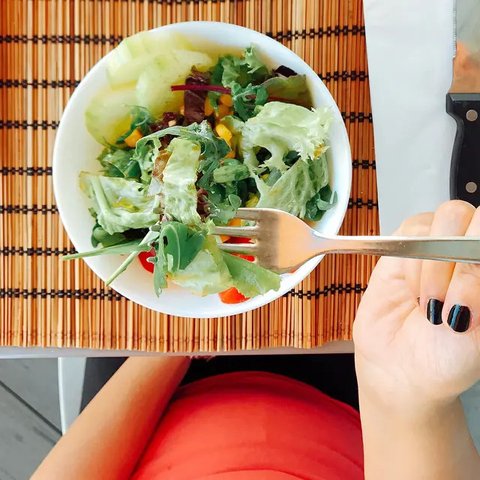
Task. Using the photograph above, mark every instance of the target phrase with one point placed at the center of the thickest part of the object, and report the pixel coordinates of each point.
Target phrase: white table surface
(15, 352)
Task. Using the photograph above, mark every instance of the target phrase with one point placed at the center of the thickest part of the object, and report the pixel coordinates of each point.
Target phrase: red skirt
(252, 425)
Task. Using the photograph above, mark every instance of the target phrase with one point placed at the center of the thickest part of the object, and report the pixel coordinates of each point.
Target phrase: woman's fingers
(450, 219)
(462, 302)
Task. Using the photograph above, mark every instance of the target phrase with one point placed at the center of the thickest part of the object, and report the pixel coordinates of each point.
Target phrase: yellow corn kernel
(252, 200)
(230, 154)
(222, 111)
(224, 132)
(226, 99)
(208, 108)
(133, 138)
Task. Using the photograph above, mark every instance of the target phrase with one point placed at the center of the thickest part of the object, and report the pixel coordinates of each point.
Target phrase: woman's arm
(108, 438)
(417, 348)
(432, 444)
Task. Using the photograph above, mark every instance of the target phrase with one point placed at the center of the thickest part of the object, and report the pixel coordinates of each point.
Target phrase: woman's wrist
(428, 441)
(403, 410)
(381, 391)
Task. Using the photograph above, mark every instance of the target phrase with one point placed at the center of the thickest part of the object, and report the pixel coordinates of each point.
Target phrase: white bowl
(75, 150)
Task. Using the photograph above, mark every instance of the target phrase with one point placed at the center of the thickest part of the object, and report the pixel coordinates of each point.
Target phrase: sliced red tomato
(232, 295)
(143, 257)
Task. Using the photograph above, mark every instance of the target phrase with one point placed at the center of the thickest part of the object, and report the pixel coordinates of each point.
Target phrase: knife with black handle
(465, 167)
(463, 103)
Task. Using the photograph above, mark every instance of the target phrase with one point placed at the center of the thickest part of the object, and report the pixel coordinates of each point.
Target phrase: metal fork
(282, 242)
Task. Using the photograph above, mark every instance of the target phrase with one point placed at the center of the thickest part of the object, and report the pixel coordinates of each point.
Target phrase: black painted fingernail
(459, 318)
(434, 311)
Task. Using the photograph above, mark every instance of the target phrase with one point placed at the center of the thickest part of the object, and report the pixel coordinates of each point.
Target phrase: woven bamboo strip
(46, 302)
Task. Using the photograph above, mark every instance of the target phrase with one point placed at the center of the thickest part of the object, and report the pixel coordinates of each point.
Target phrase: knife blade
(463, 103)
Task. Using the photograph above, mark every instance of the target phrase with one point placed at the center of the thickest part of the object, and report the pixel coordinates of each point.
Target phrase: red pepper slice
(143, 257)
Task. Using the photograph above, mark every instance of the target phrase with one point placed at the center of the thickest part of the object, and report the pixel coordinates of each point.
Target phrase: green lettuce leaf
(119, 204)
(179, 177)
(284, 148)
(294, 89)
(212, 147)
(207, 273)
(249, 278)
(256, 67)
(296, 187)
(281, 128)
(244, 70)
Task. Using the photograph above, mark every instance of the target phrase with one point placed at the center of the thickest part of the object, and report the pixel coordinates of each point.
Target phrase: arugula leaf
(212, 146)
(141, 119)
(99, 235)
(231, 171)
(176, 248)
(200, 133)
(324, 200)
(122, 249)
(159, 270)
(181, 244)
(119, 163)
(224, 199)
(247, 99)
(151, 236)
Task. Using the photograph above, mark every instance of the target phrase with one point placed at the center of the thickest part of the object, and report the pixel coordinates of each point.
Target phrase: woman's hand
(417, 335)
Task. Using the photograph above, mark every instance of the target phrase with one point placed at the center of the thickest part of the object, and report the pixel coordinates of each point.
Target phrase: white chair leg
(71, 373)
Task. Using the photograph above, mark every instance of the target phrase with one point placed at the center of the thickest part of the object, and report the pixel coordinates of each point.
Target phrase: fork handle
(449, 249)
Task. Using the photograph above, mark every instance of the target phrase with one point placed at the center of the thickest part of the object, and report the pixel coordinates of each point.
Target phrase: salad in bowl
(186, 135)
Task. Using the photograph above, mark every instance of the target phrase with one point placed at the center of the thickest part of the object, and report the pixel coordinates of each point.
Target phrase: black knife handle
(465, 168)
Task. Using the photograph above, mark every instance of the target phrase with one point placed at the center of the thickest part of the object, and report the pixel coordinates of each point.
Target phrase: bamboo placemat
(46, 47)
